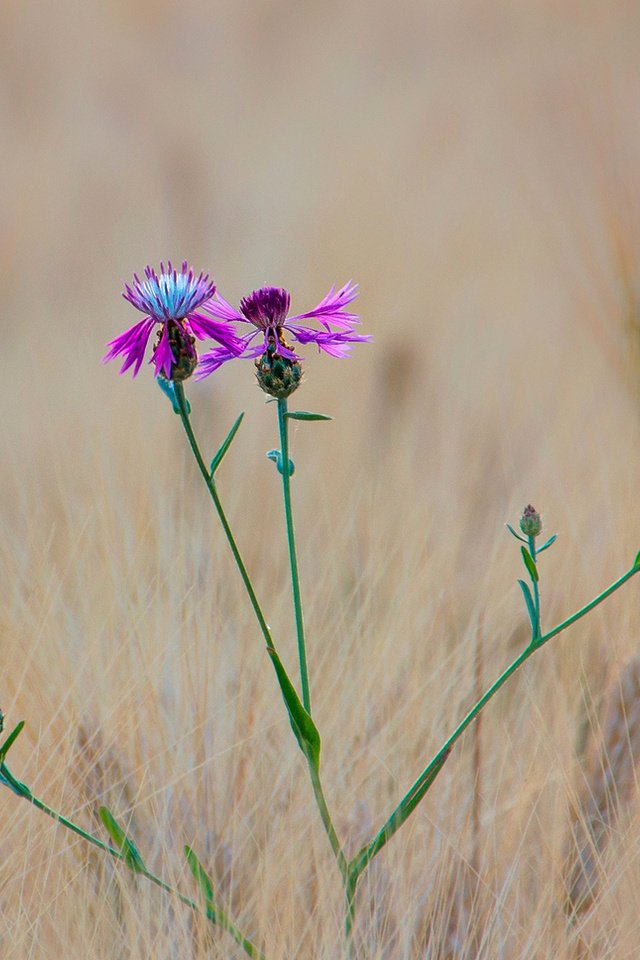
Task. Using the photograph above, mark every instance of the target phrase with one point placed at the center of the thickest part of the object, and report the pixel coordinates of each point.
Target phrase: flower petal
(212, 359)
(222, 331)
(221, 308)
(163, 356)
(331, 310)
(337, 343)
(131, 344)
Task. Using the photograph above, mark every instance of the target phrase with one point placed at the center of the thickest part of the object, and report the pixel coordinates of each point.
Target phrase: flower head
(267, 311)
(530, 521)
(172, 299)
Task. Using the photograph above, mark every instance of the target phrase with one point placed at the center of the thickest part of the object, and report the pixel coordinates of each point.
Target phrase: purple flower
(173, 300)
(267, 310)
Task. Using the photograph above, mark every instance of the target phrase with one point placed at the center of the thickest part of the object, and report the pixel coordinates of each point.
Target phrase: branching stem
(213, 913)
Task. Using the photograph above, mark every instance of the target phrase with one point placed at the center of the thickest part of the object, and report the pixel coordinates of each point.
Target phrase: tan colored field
(474, 165)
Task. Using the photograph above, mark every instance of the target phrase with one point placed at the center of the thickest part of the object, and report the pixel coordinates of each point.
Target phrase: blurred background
(472, 164)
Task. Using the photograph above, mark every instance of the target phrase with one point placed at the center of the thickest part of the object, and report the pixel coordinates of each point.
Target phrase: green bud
(530, 522)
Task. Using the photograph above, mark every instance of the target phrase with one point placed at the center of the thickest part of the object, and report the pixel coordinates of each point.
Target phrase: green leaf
(548, 543)
(530, 564)
(206, 887)
(636, 562)
(531, 610)
(304, 728)
(217, 460)
(8, 779)
(303, 415)
(6, 746)
(516, 535)
(126, 847)
(398, 817)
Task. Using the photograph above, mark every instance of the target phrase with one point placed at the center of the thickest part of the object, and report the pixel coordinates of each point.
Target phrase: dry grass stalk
(609, 785)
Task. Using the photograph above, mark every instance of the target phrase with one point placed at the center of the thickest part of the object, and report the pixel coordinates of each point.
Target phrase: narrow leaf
(303, 415)
(531, 610)
(548, 543)
(8, 779)
(398, 817)
(6, 746)
(126, 847)
(636, 562)
(530, 565)
(200, 876)
(304, 728)
(215, 463)
(516, 535)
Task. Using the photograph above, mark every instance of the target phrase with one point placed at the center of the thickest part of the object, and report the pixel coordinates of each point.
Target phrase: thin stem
(350, 915)
(536, 591)
(424, 781)
(293, 559)
(336, 846)
(314, 773)
(212, 912)
(211, 487)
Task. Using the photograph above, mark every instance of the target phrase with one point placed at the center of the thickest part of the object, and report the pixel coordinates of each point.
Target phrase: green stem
(350, 915)
(336, 846)
(426, 778)
(213, 913)
(314, 773)
(293, 559)
(536, 591)
(211, 487)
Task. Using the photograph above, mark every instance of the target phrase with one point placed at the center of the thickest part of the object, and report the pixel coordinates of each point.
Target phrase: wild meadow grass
(133, 656)
(475, 169)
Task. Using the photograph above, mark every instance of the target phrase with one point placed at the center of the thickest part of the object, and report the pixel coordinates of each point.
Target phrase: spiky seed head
(278, 376)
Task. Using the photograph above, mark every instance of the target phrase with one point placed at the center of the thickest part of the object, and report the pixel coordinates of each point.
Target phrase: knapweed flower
(267, 311)
(174, 300)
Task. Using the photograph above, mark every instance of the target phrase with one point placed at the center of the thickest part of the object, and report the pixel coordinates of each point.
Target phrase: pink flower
(267, 311)
(172, 300)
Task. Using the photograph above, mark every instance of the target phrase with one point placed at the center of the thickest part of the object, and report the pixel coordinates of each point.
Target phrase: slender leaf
(531, 610)
(8, 779)
(530, 564)
(13, 736)
(202, 879)
(516, 535)
(304, 728)
(404, 809)
(215, 463)
(548, 543)
(636, 562)
(126, 846)
(303, 415)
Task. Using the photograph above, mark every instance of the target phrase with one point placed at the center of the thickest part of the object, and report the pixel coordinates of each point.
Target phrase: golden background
(474, 166)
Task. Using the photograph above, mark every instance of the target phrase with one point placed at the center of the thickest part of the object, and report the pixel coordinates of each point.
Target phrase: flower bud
(530, 522)
(278, 376)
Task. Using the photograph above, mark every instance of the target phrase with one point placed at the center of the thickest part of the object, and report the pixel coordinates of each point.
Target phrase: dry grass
(474, 166)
